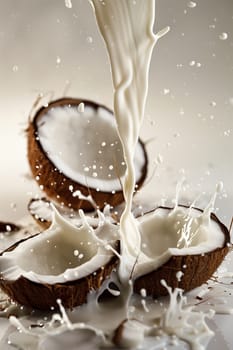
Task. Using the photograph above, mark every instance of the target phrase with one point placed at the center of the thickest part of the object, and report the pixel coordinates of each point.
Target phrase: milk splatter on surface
(165, 324)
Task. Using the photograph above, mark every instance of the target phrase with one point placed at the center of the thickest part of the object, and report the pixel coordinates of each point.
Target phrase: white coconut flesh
(60, 254)
(181, 231)
(85, 146)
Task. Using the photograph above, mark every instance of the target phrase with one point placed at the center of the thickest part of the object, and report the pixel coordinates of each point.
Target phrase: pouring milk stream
(127, 29)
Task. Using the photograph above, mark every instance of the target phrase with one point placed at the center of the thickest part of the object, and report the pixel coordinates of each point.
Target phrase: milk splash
(127, 29)
(182, 320)
(176, 317)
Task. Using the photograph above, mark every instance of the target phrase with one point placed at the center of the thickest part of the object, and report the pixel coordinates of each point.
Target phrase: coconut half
(74, 149)
(64, 262)
(183, 246)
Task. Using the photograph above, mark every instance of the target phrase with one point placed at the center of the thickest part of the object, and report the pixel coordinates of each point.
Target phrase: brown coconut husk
(44, 296)
(55, 183)
(197, 269)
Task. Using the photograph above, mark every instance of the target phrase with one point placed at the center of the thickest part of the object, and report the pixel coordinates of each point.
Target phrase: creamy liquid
(127, 29)
(147, 320)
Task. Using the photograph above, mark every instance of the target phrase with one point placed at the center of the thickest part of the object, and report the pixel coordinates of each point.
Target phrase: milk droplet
(191, 4)
(15, 68)
(68, 4)
(94, 174)
(81, 107)
(8, 228)
(76, 252)
(143, 292)
(192, 63)
(227, 132)
(223, 36)
(212, 26)
(103, 144)
(181, 111)
(179, 275)
(166, 91)
(58, 60)
(89, 40)
(213, 103)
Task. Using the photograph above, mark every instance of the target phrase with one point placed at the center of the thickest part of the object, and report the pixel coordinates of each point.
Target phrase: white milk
(127, 29)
